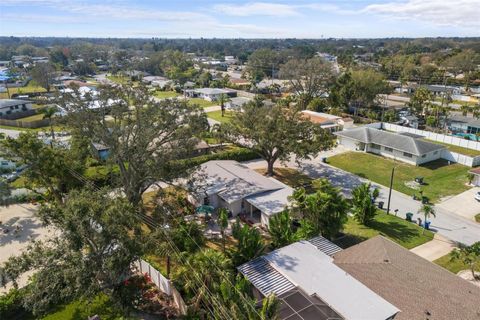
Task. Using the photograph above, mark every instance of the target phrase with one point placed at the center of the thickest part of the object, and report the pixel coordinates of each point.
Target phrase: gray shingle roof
(4, 103)
(399, 142)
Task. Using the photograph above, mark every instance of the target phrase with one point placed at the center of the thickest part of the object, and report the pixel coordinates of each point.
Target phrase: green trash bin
(409, 216)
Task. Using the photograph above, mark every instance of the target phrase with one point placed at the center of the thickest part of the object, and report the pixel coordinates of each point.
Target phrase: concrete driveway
(463, 204)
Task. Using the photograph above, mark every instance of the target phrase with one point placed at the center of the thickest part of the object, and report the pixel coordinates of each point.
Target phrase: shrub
(11, 306)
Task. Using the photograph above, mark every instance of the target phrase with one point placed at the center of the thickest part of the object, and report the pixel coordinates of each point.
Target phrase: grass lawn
(118, 79)
(202, 103)
(477, 218)
(31, 87)
(166, 94)
(217, 115)
(290, 177)
(81, 309)
(406, 234)
(441, 179)
(35, 117)
(457, 149)
(453, 266)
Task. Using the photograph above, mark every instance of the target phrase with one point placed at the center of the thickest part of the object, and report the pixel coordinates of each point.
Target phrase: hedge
(11, 305)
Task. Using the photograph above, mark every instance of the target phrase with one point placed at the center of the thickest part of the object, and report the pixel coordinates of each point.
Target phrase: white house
(328, 121)
(210, 94)
(229, 184)
(402, 146)
(237, 103)
(11, 106)
(308, 284)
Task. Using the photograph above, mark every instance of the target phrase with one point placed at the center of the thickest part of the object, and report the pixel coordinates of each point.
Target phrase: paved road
(446, 223)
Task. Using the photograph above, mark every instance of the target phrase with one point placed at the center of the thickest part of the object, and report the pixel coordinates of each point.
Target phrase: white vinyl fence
(446, 154)
(163, 283)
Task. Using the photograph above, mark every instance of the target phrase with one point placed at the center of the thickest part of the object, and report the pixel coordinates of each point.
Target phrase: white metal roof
(314, 272)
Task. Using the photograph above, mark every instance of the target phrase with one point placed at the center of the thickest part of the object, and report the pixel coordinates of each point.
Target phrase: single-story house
(463, 124)
(210, 94)
(409, 121)
(402, 146)
(328, 121)
(100, 151)
(310, 286)
(476, 176)
(231, 185)
(419, 288)
(11, 106)
(237, 103)
(157, 81)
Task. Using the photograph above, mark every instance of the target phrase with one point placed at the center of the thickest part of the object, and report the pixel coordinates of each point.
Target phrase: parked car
(477, 196)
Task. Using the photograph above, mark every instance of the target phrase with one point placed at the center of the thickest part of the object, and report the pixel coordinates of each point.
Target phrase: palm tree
(48, 113)
(469, 255)
(223, 99)
(427, 210)
(223, 224)
(281, 230)
(465, 109)
(270, 308)
(363, 201)
(249, 243)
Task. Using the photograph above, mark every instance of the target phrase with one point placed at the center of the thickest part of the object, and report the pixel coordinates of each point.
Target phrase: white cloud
(257, 9)
(460, 13)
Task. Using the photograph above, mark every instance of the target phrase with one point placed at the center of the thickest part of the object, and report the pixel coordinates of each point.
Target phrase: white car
(477, 196)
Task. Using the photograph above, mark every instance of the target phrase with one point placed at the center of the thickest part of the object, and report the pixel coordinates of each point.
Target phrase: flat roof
(315, 273)
(4, 103)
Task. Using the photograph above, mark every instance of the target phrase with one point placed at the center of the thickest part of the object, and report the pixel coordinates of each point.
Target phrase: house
(229, 184)
(210, 94)
(310, 286)
(11, 106)
(100, 151)
(463, 124)
(327, 121)
(402, 146)
(409, 120)
(476, 176)
(419, 288)
(156, 81)
(237, 103)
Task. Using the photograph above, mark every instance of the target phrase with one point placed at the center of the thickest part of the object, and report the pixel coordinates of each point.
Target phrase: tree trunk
(270, 164)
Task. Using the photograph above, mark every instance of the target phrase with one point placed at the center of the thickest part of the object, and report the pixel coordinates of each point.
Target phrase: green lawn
(35, 117)
(30, 87)
(477, 218)
(202, 103)
(118, 79)
(453, 266)
(166, 94)
(406, 234)
(81, 309)
(457, 149)
(441, 179)
(217, 115)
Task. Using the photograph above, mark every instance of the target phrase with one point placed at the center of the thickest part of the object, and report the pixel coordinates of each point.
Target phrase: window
(424, 155)
(374, 146)
(408, 155)
(388, 149)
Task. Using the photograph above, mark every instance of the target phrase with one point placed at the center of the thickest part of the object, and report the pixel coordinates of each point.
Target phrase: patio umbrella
(204, 209)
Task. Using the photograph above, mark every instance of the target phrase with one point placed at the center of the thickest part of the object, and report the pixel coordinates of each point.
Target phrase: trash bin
(409, 216)
(427, 225)
(380, 204)
(324, 159)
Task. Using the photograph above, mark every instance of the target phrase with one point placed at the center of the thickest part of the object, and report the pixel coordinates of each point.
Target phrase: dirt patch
(467, 275)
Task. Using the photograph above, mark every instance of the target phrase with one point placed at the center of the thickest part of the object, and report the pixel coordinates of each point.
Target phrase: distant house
(409, 121)
(243, 191)
(419, 288)
(210, 94)
(309, 285)
(328, 121)
(237, 103)
(11, 106)
(462, 124)
(156, 81)
(100, 151)
(403, 146)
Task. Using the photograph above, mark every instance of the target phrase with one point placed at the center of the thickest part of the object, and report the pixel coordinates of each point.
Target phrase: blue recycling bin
(427, 225)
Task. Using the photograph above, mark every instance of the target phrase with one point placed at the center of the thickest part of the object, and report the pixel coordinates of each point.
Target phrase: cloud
(257, 9)
(460, 13)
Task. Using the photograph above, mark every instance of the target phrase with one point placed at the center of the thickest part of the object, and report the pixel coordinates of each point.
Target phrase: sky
(240, 19)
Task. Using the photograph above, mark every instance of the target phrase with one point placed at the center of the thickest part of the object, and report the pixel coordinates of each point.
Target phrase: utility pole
(391, 185)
